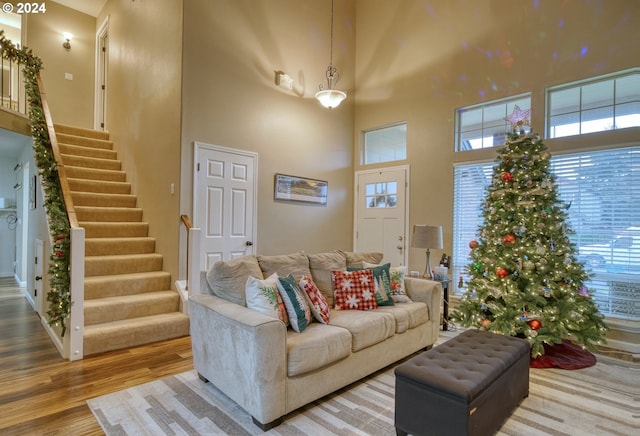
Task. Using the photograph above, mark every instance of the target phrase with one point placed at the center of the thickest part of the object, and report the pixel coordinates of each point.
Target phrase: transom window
(384, 144)
(596, 105)
(484, 125)
(380, 195)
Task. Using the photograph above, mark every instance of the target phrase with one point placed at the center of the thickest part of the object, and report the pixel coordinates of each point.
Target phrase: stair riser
(121, 308)
(81, 150)
(101, 247)
(95, 174)
(102, 266)
(79, 131)
(99, 214)
(115, 286)
(98, 340)
(115, 230)
(84, 141)
(103, 200)
(99, 186)
(89, 162)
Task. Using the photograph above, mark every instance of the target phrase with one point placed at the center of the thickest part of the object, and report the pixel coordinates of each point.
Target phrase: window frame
(379, 129)
(579, 87)
(493, 125)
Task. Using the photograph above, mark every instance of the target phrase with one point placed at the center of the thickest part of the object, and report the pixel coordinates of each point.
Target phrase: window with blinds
(602, 192)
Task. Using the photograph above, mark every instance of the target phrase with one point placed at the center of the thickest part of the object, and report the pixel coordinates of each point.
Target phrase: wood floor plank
(41, 393)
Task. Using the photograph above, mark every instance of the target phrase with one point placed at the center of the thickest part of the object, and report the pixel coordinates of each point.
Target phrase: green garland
(59, 297)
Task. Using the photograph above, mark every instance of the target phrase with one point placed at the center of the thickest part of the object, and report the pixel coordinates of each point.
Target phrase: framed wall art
(302, 189)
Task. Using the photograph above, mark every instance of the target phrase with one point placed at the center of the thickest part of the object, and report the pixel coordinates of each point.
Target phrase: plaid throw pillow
(318, 304)
(354, 290)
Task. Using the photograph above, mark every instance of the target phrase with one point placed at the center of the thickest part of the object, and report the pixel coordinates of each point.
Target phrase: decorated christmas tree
(525, 279)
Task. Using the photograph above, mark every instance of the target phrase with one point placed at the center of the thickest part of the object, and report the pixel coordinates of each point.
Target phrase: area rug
(599, 400)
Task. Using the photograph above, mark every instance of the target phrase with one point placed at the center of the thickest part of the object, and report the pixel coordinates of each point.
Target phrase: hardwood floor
(41, 393)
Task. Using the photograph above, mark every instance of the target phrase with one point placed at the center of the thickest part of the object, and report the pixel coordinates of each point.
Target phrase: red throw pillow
(354, 290)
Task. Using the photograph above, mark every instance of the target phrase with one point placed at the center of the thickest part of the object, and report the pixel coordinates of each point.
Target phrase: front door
(381, 213)
(224, 202)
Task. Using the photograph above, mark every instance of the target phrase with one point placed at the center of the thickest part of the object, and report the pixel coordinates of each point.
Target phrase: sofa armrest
(427, 291)
(242, 352)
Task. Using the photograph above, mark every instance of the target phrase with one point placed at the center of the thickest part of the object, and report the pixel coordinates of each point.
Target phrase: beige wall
(143, 112)
(418, 61)
(231, 50)
(70, 101)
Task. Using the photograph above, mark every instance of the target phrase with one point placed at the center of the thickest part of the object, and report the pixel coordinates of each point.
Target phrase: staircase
(128, 298)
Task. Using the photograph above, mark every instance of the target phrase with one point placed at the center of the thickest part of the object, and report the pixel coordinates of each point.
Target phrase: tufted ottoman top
(465, 365)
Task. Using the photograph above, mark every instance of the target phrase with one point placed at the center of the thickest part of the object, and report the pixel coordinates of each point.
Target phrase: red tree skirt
(565, 355)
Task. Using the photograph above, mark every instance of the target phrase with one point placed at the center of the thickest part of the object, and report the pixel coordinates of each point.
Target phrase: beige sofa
(269, 369)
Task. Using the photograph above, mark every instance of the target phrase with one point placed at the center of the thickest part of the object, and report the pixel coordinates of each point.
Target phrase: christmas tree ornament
(485, 323)
(507, 177)
(473, 244)
(535, 324)
(509, 239)
(502, 273)
(584, 291)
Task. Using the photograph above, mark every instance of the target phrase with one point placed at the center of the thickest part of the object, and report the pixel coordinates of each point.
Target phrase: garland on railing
(59, 297)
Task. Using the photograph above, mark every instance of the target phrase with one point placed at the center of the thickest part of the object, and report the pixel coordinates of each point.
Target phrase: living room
(204, 71)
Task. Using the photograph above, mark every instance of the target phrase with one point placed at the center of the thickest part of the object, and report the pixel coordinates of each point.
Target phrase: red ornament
(485, 323)
(473, 244)
(501, 272)
(535, 324)
(59, 254)
(506, 177)
(509, 239)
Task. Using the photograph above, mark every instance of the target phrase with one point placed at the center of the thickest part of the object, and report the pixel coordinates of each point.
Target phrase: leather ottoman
(468, 385)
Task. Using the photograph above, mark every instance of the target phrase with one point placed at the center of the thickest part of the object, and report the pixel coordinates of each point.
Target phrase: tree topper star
(518, 117)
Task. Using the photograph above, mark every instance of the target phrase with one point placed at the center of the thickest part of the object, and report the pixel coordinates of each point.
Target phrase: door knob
(248, 243)
(38, 278)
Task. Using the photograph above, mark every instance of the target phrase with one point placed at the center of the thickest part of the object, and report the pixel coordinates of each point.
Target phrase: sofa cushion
(227, 278)
(317, 303)
(296, 304)
(382, 282)
(366, 327)
(398, 292)
(263, 296)
(318, 346)
(357, 259)
(296, 264)
(354, 290)
(408, 316)
(321, 265)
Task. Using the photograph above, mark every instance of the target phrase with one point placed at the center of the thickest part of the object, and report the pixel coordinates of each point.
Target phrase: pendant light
(330, 97)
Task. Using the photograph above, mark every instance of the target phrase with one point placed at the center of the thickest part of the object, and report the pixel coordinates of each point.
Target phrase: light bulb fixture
(330, 97)
(67, 40)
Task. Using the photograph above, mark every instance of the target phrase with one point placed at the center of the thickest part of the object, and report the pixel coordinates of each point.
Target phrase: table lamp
(428, 237)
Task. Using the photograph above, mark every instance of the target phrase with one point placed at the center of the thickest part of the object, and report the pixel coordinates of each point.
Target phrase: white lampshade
(330, 98)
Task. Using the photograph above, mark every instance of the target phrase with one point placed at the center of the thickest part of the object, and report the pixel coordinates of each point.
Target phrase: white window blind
(602, 190)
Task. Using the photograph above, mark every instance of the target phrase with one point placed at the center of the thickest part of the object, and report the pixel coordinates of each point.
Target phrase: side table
(445, 306)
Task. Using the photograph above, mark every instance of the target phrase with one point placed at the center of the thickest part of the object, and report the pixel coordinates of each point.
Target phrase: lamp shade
(425, 236)
(330, 98)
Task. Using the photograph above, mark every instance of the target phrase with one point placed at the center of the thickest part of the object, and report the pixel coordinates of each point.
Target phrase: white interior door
(381, 210)
(224, 202)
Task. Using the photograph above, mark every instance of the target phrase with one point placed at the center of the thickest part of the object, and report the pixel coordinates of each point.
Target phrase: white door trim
(102, 65)
(201, 145)
(406, 169)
